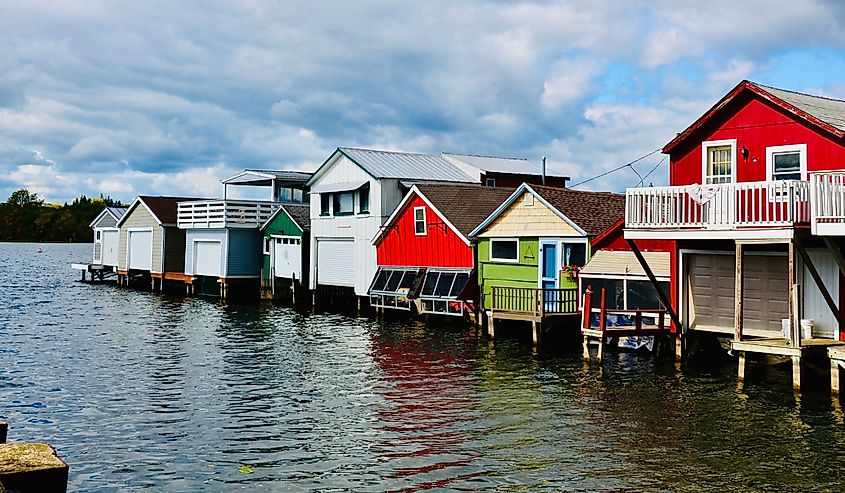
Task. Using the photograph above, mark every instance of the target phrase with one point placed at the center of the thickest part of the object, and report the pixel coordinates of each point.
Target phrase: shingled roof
(300, 214)
(165, 208)
(465, 206)
(593, 212)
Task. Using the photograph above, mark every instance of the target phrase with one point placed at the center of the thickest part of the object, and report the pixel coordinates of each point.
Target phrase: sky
(125, 98)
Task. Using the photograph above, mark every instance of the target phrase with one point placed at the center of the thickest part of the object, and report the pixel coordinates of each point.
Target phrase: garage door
(711, 293)
(207, 258)
(110, 242)
(336, 262)
(815, 308)
(141, 250)
(286, 257)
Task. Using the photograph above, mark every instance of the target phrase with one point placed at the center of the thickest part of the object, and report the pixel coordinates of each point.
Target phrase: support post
(664, 298)
(834, 376)
(535, 332)
(796, 372)
(586, 348)
(491, 327)
(811, 268)
(739, 289)
(740, 374)
(4, 430)
(794, 329)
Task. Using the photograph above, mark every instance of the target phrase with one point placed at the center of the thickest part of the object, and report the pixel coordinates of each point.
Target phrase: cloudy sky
(168, 97)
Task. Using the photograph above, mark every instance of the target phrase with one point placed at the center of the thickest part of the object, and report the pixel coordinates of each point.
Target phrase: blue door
(549, 273)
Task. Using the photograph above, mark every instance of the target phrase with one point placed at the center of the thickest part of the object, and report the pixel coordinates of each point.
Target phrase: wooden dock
(98, 271)
(779, 346)
(535, 305)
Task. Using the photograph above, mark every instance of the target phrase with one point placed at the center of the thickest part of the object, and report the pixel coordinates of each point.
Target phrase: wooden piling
(742, 365)
(834, 376)
(535, 332)
(796, 372)
(4, 430)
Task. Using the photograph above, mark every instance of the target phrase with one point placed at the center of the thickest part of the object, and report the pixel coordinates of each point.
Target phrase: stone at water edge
(26, 467)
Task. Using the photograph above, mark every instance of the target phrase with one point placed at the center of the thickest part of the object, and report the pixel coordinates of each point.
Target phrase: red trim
(754, 88)
(606, 233)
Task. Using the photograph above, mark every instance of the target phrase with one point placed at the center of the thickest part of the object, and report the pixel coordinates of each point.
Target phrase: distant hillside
(25, 217)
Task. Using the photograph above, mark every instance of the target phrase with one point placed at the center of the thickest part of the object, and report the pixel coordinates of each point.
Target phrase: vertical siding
(203, 234)
(244, 253)
(439, 247)
(174, 250)
(360, 227)
(139, 217)
(521, 275)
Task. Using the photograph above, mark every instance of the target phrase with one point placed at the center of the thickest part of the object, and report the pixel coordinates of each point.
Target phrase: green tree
(24, 197)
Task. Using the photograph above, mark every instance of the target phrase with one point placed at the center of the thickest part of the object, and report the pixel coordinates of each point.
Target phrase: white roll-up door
(109, 247)
(207, 258)
(287, 257)
(336, 262)
(141, 250)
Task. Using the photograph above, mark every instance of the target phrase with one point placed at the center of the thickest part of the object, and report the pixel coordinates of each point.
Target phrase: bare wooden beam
(794, 340)
(837, 253)
(657, 287)
(811, 268)
(739, 289)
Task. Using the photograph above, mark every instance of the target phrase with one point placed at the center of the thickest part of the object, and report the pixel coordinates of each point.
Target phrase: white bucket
(784, 328)
(806, 328)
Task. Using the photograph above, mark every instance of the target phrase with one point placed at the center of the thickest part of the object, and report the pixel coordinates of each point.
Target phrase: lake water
(143, 390)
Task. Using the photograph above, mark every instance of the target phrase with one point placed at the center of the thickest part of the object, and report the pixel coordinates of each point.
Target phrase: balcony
(763, 209)
(224, 214)
(828, 203)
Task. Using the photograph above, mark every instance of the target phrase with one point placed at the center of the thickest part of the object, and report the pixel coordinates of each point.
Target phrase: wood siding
(140, 217)
(244, 253)
(174, 250)
(107, 221)
(520, 275)
(528, 220)
(439, 247)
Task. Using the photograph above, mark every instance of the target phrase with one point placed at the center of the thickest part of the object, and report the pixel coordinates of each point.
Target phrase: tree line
(26, 217)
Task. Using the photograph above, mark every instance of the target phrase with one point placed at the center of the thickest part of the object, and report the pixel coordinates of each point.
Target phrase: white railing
(224, 214)
(757, 204)
(827, 190)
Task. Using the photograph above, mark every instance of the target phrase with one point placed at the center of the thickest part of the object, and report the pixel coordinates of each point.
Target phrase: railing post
(603, 311)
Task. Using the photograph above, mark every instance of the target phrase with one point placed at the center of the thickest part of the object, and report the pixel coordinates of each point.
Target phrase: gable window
(718, 161)
(787, 162)
(344, 203)
(419, 221)
(364, 199)
(325, 200)
(504, 250)
(490, 182)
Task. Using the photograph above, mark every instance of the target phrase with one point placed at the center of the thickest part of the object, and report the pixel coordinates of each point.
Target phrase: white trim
(487, 182)
(772, 150)
(194, 255)
(505, 261)
(132, 207)
(129, 243)
(711, 234)
(424, 222)
(510, 200)
(716, 143)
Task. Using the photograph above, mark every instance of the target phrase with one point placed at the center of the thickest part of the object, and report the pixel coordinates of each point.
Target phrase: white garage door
(141, 250)
(109, 252)
(711, 293)
(336, 262)
(287, 257)
(815, 308)
(207, 258)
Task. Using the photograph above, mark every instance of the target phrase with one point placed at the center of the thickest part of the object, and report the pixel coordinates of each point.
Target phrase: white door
(109, 247)
(207, 258)
(711, 293)
(336, 262)
(287, 257)
(141, 250)
(815, 308)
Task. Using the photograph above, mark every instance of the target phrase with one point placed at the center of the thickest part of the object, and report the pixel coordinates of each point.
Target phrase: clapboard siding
(192, 235)
(174, 250)
(107, 221)
(244, 253)
(140, 217)
(528, 220)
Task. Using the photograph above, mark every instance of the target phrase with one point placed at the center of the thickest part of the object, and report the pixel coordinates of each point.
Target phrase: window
(325, 200)
(97, 235)
(298, 196)
(490, 182)
(718, 161)
(529, 199)
(364, 199)
(267, 243)
(419, 221)
(624, 294)
(285, 194)
(787, 162)
(504, 250)
(344, 203)
(573, 254)
(642, 295)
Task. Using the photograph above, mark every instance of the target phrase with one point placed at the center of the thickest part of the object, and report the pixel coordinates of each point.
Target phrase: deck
(98, 271)
(535, 305)
(779, 346)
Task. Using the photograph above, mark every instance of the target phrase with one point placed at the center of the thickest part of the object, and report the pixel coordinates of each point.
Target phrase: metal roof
(828, 110)
(406, 165)
(263, 177)
(117, 212)
(511, 165)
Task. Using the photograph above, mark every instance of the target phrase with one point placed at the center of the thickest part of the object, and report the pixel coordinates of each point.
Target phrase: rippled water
(139, 390)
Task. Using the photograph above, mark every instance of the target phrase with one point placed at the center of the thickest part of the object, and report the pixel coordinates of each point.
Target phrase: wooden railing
(827, 204)
(534, 301)
(224, 214)
(728, 206)
(638, 320)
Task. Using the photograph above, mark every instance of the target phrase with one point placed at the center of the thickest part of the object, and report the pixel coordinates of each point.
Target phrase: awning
(338, 187)
(622, 264)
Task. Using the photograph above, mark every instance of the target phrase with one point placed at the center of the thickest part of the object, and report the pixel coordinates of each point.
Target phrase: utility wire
(626, 165)
(642, 180)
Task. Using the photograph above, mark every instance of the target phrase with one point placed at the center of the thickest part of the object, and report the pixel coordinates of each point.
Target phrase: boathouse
(286, 250)
(107, 236)
(355, 190)
(224, 243)
(532, 246)
(756, 205)
(426, 260)
(151, 245)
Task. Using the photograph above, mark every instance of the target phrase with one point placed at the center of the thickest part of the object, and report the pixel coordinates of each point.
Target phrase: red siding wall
(755, 124)
(440, 247)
